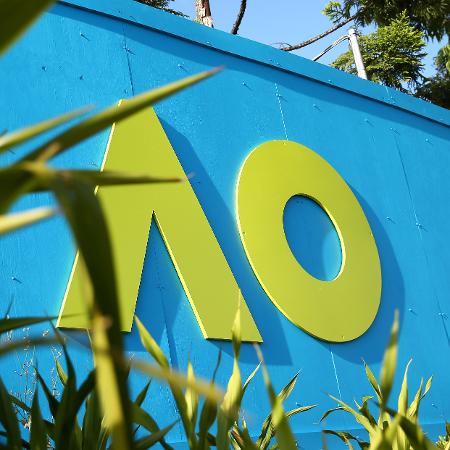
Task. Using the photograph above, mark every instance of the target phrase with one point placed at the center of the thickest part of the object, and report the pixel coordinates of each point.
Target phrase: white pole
(353, 37)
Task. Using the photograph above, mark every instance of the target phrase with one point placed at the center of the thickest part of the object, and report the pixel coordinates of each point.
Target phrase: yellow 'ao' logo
(338, 310)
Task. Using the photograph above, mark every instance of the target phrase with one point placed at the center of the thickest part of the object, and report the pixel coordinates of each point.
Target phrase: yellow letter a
(139, 145)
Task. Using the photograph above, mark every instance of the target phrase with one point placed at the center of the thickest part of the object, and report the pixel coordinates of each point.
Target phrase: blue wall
(392, 150)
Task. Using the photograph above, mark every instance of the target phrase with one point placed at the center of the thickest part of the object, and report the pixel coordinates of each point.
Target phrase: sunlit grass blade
(106, 178)
(283, 432)
(107, 117)
(8, 419)
(191, 398)
(111, 386)
(14, 345)
(373, 381)
(360, 418)
(145, 420)
(10, 324)
(250, 378)
(150, 344)
(209, 412)
(389, 364)
(15, 138)
(143, 394)
(330, 411)
(85, 216)
(299, 409)
(17, 16)
(167, 375)
(402, 407)
(229, 409)
(343, 436)
(38, 435)
(176, 381)
(14, 221)
(153, 439)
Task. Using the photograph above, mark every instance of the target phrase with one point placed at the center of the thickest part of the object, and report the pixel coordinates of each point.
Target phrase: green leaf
(360, 418)
(93, 433)
(415, 435)
(17, 16)
(150, 344)
(10, 347)
(61, 374)
(209, 412)
(299, 409)
(250, 378)
(143, 394)
(38, 435)
(107, 117)
(343, 436)
(373, 381)
(403, 397)
(286, 391)
(283, 432)
(389, 364)
(150, 441)
(145, 420)
(178, 379)
(229, 409)
(15, 138)
(85, 216)
(106, 178)
(12, 222)
(191, 398)
(331, 411)
(9, 420)
(10, 324)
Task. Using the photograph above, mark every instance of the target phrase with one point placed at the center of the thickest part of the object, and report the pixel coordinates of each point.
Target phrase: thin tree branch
(290, 48)
(239, 17)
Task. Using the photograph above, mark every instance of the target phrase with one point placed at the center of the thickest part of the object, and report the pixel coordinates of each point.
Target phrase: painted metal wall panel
(392, 150)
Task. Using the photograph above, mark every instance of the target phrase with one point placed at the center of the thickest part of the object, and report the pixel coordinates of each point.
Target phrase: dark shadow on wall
(372, 344)
(224, 225)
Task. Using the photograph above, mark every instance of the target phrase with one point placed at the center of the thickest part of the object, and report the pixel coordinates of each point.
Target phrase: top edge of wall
(137, 13)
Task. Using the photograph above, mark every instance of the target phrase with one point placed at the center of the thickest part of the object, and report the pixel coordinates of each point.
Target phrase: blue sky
(292, 21)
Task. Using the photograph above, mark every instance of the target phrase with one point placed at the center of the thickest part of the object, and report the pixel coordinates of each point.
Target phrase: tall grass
(98, 412)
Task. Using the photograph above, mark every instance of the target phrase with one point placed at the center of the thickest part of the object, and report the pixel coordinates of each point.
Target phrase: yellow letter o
(338, 310)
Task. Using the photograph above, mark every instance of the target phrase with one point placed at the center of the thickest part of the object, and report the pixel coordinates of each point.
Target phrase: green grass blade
(10, 347)
(150, 344)
(373, 381)
(167, 375)
(9, 420)
(12, 222)
(343, 436)
(106, 178)
(209, 412)
(360, 418)
(15, 138)
(144, 419)
(389, 363)
(402, 404)
(17, 16)
(153, 439)
(299, 410)
(107, 117)
(229, 409)
(38, 435)
(143, 394)
(10, 324)
(283, 432)
(250, 378)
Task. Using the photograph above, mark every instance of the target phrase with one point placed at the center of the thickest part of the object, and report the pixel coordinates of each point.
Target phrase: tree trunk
(203, 12)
